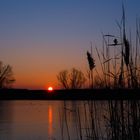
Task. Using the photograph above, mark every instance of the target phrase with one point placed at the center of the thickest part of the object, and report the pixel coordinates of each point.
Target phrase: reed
(120, 70)
(113, 119)
(101, 120)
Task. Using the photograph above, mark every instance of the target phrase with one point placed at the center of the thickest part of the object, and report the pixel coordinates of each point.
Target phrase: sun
(50, 88)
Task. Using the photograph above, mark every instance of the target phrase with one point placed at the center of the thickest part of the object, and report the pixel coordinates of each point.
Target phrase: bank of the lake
(74, 94)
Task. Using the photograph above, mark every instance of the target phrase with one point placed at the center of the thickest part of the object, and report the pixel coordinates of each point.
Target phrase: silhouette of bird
(115, 41)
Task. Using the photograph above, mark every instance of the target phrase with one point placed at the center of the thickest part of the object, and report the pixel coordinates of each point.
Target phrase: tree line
(6, 76)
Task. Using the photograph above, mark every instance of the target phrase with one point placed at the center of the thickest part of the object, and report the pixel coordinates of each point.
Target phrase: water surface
(72, 120)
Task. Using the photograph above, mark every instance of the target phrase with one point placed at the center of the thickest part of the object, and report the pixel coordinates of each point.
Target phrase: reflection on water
(22, 120)
(5, 120)
(75, 120)
(50, 120)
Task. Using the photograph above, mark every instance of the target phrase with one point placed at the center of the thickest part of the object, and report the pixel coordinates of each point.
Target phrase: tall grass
(120, 57)
(113, 119)
(104, 120)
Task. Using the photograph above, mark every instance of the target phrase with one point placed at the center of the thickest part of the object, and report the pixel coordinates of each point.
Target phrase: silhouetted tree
(6, 76)
(63, 79)
(77, 78)
(98, 83)
(71, 80)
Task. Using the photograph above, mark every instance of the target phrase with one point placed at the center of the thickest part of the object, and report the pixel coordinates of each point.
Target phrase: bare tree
(71, 80)
(98, 82)
(6, 76)
(77, 78)
(63, 79)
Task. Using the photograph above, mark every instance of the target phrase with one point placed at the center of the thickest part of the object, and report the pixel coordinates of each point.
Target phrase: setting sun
(50, 88)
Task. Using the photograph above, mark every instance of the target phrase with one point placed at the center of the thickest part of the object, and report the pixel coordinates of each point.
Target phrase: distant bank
(75, 94)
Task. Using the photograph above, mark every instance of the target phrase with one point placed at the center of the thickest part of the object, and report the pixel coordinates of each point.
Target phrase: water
(37, 120)
(75, 120)
(41, 120)
(30, 120)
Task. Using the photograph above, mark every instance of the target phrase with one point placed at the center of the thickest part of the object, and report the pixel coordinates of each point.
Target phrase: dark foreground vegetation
(102, 120)
(75, 94)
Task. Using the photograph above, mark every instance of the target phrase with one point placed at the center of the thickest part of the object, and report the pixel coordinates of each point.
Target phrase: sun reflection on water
(50, 120)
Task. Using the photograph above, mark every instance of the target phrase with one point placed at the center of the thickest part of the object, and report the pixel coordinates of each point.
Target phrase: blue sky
(41, 19)
(46, 36)
(54, 19)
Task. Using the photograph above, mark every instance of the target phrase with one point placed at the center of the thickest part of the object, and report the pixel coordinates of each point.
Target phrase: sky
(39, 38)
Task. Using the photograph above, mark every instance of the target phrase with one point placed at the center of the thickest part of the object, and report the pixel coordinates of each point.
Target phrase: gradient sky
(39, 38)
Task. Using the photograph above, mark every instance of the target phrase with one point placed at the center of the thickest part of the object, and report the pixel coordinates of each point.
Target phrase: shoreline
(73, 94)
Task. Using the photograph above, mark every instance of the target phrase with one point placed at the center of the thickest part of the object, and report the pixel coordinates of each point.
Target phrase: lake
(72, 120)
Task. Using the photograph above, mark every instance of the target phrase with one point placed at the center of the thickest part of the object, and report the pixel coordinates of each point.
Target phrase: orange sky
(37, 68)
